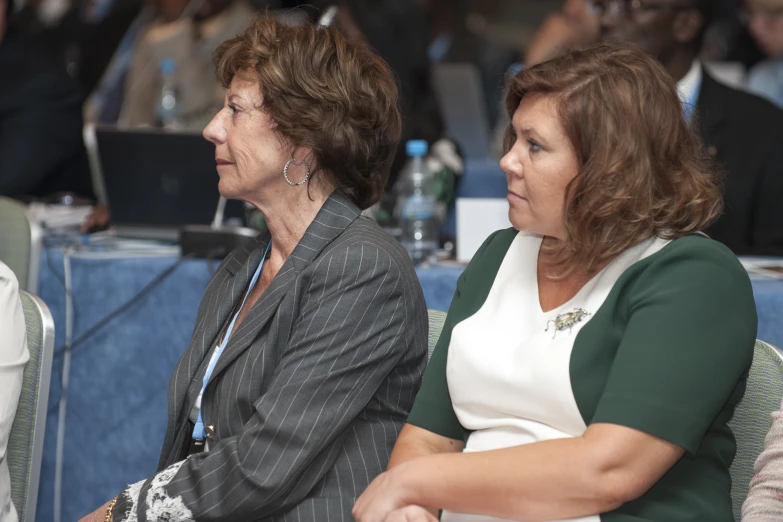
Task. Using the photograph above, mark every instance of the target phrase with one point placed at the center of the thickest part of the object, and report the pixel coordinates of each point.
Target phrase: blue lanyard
(689, 105)
(198, 429)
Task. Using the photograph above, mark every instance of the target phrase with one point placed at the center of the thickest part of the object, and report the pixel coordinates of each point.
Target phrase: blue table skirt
(116, 405)
(116, 409)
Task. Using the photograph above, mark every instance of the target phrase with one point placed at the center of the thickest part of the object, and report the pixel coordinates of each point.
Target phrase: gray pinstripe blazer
(311, 391)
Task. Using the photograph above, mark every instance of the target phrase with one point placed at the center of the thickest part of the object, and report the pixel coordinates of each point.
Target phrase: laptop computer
(156, 182)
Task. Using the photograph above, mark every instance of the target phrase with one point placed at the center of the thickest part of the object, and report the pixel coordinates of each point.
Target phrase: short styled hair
(339, 100)
(642, 168)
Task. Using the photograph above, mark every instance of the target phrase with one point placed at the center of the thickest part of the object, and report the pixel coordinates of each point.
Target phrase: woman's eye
(233, 108)
(534, 146)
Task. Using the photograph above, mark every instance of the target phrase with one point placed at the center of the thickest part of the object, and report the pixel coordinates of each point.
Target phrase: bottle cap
(168, 66)
(416, 148)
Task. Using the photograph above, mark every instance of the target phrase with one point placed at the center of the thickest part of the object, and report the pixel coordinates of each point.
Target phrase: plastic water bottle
(418, 208)
(168, 107)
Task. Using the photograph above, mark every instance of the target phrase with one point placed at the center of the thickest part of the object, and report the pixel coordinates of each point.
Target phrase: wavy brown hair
(643, 171)
(323, 94)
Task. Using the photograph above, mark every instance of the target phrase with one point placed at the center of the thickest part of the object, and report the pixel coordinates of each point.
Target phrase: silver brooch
(567, 320)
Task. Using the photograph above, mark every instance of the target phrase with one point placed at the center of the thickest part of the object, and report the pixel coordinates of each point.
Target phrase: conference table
(125, 312)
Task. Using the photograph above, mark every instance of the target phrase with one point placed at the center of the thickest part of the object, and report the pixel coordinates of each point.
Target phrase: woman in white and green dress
(594, 353)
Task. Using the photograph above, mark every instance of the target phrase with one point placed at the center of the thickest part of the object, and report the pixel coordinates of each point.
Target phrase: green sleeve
(687, 347)
(432, 409)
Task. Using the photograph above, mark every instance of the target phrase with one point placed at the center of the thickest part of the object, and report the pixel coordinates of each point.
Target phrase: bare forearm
(597, 472)
(542, 481)
(408, 448)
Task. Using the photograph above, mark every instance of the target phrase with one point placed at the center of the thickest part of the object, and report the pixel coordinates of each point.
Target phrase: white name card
(477, 218)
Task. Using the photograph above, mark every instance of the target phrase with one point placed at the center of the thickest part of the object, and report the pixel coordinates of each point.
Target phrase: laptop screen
(159, 179)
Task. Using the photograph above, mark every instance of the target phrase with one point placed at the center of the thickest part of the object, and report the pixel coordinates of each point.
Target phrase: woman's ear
(300, 154)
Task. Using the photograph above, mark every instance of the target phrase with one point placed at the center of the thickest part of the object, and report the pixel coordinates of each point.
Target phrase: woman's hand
(97, 220)
(411, 514)
(383, 497)
(99, 515)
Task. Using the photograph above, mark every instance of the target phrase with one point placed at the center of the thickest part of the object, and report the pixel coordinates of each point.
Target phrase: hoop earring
(307, 173)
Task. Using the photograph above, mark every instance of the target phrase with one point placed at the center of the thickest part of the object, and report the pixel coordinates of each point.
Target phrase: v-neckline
(536, 251)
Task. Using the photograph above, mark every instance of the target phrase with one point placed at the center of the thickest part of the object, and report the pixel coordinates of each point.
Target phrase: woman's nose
(214, 131)
(510, 164)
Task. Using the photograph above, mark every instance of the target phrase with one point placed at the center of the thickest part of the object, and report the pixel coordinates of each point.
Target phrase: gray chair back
(25, 445)
(753, 418)
(437, 318)
(20, 244)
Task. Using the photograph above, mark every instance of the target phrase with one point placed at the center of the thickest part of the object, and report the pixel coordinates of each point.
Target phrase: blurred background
(146, 65)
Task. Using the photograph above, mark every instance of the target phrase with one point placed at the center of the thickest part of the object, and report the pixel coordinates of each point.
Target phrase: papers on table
(477, 218)
(57, 216)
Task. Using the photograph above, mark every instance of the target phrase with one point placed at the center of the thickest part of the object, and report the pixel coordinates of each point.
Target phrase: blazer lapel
(710, 112)
(226, 288)
(334, 217)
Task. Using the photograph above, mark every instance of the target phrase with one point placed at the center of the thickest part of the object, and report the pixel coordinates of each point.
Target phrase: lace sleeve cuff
(147, 500)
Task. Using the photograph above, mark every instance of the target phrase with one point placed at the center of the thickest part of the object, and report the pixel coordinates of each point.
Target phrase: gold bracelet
(110, 509)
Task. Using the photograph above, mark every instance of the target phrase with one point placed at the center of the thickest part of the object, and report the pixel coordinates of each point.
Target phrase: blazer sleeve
(349, 336)
(765, 497)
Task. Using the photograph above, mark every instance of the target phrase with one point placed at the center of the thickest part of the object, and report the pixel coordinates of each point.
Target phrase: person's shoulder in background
(41, 111)
(766, 80)
(745, 107)
(30, 73)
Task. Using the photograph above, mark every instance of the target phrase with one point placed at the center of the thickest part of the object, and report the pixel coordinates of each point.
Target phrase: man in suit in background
(741, 132)
(41, 147)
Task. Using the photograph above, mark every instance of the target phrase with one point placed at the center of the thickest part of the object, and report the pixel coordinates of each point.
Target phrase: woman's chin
(227, 190)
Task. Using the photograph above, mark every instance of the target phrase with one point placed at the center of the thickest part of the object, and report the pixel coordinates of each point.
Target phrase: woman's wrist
(110, 510)
(409, 481)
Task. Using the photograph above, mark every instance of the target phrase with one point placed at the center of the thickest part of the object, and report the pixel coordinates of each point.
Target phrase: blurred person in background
(178, 56)
(13, 359)
(740, 131)
(105, 102)
(81, 34)
(765, 22)
(451, 41)
(576, 25)
(397, 31)
(311, 340)
(41, 146)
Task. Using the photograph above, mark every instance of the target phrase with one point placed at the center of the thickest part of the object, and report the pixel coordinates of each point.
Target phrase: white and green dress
(665, 349)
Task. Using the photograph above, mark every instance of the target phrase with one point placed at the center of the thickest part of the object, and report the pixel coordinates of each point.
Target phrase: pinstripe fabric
(311, 391)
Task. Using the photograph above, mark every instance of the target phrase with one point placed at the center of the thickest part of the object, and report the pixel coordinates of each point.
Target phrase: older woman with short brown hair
(311, 340)
(594, 353)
